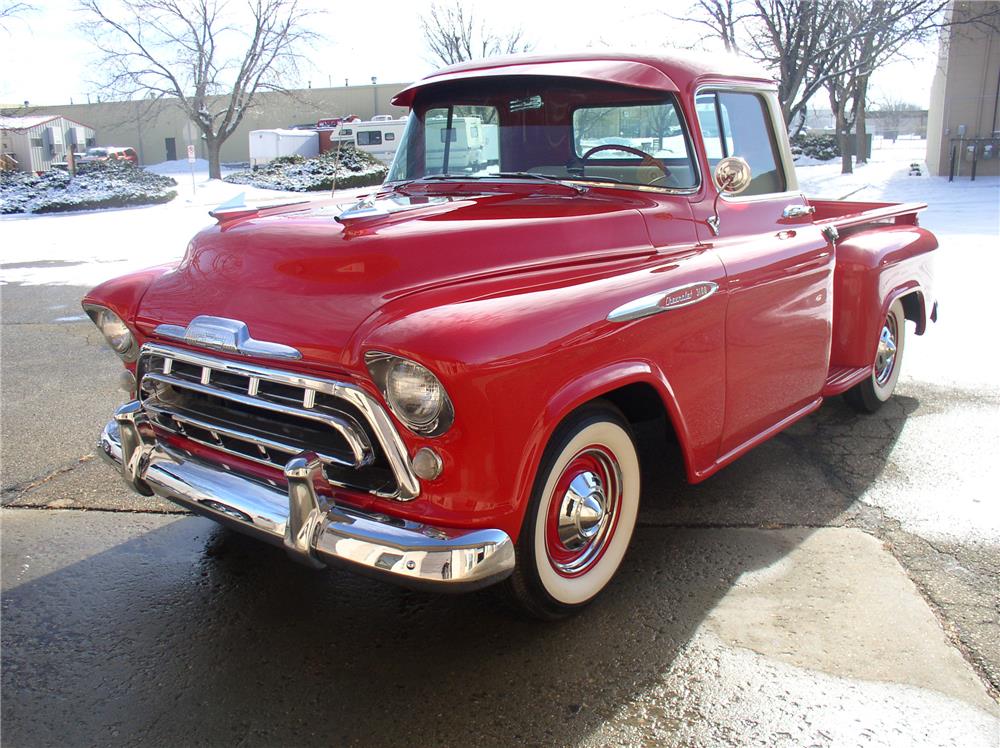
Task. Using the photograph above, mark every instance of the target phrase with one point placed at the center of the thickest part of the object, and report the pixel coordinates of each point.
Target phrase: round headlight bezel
(117, 334)
(400, 380)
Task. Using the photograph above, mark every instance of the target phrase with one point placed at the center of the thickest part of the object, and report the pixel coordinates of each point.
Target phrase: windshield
(568, 130)
(97, 152)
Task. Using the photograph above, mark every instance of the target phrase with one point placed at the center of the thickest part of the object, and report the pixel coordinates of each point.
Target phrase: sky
(47, 58)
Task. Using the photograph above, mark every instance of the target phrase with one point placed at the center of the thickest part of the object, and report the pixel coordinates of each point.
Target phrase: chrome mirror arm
(732, 176)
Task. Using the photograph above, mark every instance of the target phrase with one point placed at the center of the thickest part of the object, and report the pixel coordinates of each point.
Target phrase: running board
(842, 378)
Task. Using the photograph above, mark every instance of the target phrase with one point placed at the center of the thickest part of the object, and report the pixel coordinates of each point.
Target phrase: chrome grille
(268, 416)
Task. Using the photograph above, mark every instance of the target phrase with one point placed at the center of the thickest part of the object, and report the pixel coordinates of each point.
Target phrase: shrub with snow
(815, 146)
(105, 184)
(352, 168)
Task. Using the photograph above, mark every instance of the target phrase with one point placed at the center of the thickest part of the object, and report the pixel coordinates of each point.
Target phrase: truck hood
(301, 277)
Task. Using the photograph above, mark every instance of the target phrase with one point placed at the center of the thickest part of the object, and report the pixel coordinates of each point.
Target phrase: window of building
(37, 143)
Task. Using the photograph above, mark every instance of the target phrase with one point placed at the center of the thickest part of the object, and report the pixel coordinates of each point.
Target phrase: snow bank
(108, 184)
(181, 166)
(351, 168)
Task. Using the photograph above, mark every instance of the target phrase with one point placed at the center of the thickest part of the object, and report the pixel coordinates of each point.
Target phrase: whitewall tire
(582, 513)
(869, 395)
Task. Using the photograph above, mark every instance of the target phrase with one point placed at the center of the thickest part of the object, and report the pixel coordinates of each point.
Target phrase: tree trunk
(860, 129)
(843, 140)
(213, 146)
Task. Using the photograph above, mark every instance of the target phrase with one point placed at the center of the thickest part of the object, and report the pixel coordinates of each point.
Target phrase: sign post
(191, 166)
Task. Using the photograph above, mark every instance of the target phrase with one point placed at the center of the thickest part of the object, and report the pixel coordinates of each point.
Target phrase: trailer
(266, 145)
(468, 149)
(379, 136)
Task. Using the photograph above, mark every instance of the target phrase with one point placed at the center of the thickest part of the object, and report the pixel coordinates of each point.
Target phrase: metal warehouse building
(34, 143)
(157, 128)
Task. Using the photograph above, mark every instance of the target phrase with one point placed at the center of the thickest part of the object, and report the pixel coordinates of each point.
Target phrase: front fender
(517, 359)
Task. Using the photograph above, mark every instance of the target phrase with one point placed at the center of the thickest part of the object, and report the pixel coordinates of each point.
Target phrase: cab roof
(663, 72)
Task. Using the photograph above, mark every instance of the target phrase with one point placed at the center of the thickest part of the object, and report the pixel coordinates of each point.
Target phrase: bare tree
(834, 45)
(10, 10)
(719, 18)
(211, 59)
(452, 35)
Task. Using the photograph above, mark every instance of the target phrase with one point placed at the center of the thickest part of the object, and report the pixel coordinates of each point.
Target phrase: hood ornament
(230, 335)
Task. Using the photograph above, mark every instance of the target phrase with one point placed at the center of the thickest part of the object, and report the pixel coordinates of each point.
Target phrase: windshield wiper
(401, 186)
(541, 177)
(583, 178)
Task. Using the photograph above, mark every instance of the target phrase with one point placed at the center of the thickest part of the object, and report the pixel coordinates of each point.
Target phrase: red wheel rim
(583, 511)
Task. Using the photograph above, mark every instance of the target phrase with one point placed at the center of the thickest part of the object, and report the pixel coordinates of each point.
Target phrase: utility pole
(374, 97)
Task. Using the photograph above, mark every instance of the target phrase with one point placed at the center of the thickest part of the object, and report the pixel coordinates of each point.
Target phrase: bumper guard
(311, 528)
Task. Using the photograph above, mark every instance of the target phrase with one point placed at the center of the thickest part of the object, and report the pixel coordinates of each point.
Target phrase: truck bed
(846, 213)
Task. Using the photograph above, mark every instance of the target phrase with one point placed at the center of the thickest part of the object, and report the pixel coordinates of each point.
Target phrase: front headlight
(115, 331)
(413, 393)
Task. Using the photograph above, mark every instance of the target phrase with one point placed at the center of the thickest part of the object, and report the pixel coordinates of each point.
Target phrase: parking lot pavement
(838, 584)
(168, 630)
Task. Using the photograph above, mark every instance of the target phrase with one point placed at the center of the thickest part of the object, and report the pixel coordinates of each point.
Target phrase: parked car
(441, 385)
(109, 153)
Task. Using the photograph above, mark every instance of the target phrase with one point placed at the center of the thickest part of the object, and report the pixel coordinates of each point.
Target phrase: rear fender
(875, 267)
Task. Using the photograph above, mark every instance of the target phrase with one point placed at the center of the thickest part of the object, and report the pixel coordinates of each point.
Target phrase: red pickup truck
(440, 384)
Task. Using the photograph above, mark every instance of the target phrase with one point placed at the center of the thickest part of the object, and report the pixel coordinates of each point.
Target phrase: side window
(738, 124)
(390, 136)
(370, 137)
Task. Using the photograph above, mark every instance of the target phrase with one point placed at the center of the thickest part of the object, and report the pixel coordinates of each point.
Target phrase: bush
(104, 184)
(297, 174)
(816, 145)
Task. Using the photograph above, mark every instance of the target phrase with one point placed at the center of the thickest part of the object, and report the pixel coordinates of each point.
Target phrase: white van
(379, 137)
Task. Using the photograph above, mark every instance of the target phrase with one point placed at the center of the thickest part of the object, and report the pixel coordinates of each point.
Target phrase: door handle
(797, 211)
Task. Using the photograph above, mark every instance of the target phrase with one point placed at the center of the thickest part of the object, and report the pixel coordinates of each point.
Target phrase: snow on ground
(965, 217)
(88, 247)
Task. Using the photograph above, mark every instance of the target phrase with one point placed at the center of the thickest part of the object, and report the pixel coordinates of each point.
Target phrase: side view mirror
(732, 175)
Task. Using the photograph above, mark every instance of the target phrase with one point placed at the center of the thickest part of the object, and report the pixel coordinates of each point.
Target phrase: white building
(33, 143)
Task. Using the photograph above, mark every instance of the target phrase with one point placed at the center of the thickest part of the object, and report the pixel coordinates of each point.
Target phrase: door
(171, 144)
(779, 272)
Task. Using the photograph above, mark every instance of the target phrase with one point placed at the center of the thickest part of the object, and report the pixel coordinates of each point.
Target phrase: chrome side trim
(223, 334)
(310, 527)
(663, 301)
(374, 414)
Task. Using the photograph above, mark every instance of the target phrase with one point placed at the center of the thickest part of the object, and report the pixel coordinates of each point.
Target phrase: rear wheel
(581, 515)
(869, 395)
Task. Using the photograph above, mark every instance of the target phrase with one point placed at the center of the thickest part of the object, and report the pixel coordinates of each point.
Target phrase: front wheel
(581, 514)
(869, 395)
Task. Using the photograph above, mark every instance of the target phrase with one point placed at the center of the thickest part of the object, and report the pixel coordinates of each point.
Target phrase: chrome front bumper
(311, 528)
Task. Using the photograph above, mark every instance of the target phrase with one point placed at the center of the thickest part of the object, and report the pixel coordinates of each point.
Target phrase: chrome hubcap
(583, 510)
(885, 357)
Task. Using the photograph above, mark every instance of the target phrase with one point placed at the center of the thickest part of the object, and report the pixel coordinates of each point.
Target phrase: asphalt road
(838, 585)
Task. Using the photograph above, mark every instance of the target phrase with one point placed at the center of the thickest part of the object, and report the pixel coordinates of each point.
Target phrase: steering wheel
(647, 160)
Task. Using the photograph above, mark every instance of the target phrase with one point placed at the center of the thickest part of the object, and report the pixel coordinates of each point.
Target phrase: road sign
(190, 154)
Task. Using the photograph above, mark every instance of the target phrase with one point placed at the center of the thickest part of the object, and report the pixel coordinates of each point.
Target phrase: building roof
(666, 72)
(33, 120)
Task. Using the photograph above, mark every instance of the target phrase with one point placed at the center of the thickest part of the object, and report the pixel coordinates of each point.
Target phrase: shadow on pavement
(189, 634)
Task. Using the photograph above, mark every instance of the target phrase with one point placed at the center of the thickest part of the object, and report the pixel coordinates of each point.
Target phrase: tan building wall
(965, 92)
(147, 125)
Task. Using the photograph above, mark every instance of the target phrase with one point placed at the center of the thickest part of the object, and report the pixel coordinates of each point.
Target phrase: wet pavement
(838, 585)
(171, 631)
